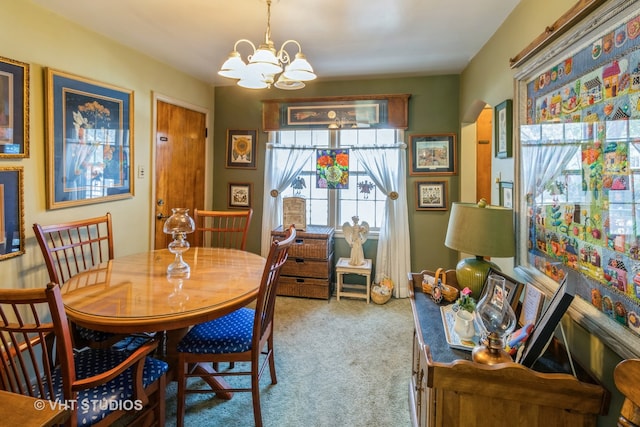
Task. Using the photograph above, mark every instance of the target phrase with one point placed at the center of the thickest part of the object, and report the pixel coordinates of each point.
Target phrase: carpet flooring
(338, 363)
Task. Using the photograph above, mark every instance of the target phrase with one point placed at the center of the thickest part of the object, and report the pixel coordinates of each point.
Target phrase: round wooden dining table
(133, 293)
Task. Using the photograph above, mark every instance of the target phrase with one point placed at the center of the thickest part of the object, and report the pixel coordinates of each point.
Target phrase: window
(362, 197)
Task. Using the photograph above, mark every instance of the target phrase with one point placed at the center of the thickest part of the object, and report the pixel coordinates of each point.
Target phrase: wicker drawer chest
(309, 270)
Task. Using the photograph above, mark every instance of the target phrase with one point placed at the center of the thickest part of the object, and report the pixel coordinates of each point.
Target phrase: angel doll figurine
(355, 236)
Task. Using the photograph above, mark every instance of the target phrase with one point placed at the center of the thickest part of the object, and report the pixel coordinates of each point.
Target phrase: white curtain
(290, 162)
(387, 168)
(542, 163)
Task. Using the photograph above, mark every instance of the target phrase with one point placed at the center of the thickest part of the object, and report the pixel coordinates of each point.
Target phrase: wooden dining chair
(626, 376)
(222, 229)
(100, 386)
(72, 247)
(244, 335)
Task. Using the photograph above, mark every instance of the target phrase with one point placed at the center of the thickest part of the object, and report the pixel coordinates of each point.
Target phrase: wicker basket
(449, 292)
(379, 297)
(381, 293)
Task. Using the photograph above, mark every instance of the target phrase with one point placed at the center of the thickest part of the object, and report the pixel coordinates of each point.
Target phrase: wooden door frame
(208, 195)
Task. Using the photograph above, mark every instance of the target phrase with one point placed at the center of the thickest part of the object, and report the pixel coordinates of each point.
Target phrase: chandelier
(265, 64)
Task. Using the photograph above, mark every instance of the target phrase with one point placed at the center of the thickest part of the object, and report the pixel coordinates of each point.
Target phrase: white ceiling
(341, 38)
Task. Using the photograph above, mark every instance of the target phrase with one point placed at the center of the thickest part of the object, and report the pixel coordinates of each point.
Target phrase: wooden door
(180, 163)
(484, 154)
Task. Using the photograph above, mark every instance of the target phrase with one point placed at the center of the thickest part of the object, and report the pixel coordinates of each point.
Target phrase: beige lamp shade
(483, 231)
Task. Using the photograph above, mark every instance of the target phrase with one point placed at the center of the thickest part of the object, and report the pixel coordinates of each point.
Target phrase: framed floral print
(89, 140)
(433, 154)
(14, 109)
(241, 149)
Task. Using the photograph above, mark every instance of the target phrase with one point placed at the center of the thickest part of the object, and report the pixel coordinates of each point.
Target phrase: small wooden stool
(343, 267)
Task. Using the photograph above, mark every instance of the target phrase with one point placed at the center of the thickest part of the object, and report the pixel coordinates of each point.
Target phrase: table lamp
(178, 225)
(481, 230)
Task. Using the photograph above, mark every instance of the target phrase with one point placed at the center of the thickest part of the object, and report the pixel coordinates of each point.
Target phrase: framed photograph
(431, 196)
(11, 212)
(546, 325)
(512, 287)
(532, 304)
(503, 123)
(240, 195)
(433, 154)
(506, 194)
(14, 109)
(241, 149)
(89, 141)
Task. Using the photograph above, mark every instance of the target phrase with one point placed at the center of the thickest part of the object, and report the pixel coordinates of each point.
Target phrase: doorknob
(161, 216)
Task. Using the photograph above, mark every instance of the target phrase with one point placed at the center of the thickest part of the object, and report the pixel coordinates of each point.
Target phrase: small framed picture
(12, 241)
(506, 194)
(548, 322)
(240, 195)
(431, 195)
(503, 119)
(433, 154)
(241, 149)
(14, 109)
(512, 287)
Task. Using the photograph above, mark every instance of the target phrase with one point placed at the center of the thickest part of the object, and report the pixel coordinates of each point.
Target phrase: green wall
(433, 108)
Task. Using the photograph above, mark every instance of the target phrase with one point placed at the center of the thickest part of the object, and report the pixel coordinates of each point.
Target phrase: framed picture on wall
(89, 140)
(11, 211)
(14, 109)
(431, 195)
(506, 194)
(432, 154)
(503, 122)
(241, 149)
(240, 195)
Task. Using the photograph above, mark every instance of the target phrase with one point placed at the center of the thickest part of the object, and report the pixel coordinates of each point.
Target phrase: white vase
(463, 325)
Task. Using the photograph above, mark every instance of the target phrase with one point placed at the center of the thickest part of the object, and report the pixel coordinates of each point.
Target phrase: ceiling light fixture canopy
(265, 64)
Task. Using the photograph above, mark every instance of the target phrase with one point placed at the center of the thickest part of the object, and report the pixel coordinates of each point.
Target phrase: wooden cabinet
(448, 389)
(308, 271)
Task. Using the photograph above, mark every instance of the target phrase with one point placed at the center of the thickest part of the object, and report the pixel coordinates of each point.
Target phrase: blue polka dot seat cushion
(97, 403)
(228, 334)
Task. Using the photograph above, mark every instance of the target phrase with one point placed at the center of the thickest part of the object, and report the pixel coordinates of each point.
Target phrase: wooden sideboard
(447, 389)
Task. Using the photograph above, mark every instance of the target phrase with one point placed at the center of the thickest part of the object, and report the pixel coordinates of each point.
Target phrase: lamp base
(472, 273)
(490, 356)
(491, 352)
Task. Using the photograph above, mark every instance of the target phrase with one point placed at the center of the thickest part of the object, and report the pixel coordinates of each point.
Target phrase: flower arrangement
(466, 301)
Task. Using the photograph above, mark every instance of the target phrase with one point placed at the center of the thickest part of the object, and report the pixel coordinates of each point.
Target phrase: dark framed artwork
(503, 123)
(433, 154)
(89, 140)
(14, 109)
(548, 322)
(506, 194)
(11, 212)
(240, 194)
(355, 113)
(431, 196)
(513, 288)
(241, 149)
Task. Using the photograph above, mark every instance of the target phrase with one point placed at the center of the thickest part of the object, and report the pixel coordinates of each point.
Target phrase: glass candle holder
(496, 320)
(179, 224)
